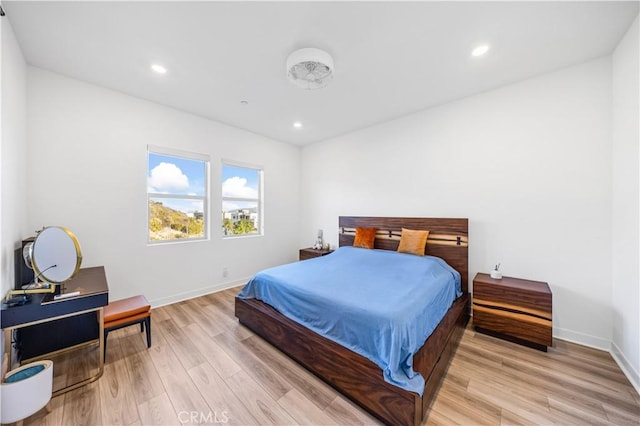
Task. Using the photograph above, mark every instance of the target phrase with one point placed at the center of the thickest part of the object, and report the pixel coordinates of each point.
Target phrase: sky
(174, 175)
(180, 176)
(239, 182)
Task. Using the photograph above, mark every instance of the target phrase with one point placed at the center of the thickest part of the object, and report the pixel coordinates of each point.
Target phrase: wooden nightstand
(516, 309)
(310, 253)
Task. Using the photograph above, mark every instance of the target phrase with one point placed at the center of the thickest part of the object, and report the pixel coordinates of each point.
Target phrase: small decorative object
(496, 274)
(319, 242)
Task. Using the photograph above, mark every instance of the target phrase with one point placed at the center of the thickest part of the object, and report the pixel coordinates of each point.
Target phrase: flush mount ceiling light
(158, 68)
(310, 68)
(480, 50)
(297, 125)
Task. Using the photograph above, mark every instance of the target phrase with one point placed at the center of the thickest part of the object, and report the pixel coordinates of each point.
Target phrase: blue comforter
(380, 304)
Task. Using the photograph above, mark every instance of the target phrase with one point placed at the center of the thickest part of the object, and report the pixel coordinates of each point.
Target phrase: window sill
(178, 241)
(235, 237)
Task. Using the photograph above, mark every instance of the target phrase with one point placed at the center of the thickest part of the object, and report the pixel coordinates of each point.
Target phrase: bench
(126, 312)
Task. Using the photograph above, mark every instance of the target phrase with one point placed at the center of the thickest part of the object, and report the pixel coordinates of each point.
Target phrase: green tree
(227, 225)
(244, 226)
(196, 226)
(155, 224)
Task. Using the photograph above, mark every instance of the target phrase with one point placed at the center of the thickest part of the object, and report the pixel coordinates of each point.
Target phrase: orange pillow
(413, 242)
(365, 238)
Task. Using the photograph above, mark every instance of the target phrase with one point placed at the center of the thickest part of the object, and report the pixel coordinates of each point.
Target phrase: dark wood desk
(41, 315)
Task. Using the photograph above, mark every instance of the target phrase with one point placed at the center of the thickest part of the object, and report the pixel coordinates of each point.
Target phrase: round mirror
(55, 255)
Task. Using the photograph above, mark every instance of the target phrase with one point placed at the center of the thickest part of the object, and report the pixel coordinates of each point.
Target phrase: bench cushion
(132, 319)
(127, 309)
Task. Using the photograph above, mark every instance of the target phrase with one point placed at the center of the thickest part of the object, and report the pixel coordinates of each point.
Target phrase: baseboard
(156, 303)
(626, 367)
(579, 338)
(582, 339)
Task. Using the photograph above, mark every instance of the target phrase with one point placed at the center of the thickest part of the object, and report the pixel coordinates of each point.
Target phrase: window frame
(259, 200)
(206, 198)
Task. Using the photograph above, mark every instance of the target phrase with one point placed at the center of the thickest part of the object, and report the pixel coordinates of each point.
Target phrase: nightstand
(516, 309)
(310, 253)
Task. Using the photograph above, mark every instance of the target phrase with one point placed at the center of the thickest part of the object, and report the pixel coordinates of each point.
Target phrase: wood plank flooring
(205, 368)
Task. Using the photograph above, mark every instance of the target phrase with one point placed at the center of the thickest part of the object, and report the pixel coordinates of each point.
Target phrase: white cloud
(227, 206)
(237, 187)
(167, 176)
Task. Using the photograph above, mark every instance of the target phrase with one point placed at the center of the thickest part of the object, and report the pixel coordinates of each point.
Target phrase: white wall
(13, 158)
(13, 152)
(626, 214)
(529, 164)
(88, 165)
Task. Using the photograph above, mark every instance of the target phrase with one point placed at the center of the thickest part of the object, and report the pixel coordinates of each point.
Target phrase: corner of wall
(625, 205)
(627, 368)
(13, 155)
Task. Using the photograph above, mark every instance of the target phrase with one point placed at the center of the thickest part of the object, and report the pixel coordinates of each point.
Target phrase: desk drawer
(36, 340)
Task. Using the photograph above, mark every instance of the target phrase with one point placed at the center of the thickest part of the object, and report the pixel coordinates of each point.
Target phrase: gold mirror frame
(48, 252)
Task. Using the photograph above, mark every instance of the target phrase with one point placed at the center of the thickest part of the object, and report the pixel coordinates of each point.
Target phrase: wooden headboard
(448, 238)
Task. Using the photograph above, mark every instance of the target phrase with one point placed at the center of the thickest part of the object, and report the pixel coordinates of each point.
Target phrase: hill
(167, 224)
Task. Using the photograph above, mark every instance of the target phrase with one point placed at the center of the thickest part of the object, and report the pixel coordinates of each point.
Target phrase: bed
(355, 375)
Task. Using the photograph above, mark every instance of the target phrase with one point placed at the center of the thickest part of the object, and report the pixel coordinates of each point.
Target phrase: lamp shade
(310, 68)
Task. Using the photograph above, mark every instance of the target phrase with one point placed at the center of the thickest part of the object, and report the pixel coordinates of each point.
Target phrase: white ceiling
(391, 58)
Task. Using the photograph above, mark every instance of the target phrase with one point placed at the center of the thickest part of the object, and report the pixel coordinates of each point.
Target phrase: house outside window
(242, 209)
(177, 195)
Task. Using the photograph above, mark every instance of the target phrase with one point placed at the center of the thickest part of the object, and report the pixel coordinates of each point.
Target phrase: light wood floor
(205, 368)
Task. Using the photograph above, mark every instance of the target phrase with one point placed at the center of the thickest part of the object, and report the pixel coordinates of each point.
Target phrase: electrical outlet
(225, 272)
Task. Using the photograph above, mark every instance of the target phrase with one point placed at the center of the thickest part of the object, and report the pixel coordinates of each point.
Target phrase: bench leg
(106, 333)
(147, 324)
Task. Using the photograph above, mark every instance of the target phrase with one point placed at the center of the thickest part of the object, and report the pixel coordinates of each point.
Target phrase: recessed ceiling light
(159, 68)
(297, 125)
(480, 50)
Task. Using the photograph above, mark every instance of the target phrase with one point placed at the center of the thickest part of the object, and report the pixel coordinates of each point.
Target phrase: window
(177, 195)
(241, 200)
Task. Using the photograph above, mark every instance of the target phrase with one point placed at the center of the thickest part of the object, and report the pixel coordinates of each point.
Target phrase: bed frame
(352, 374)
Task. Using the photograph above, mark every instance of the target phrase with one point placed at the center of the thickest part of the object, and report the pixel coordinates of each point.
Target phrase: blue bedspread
(380, 304)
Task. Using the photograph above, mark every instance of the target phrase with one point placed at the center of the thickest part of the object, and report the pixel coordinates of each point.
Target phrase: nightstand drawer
(310, 253)
(515, 324)
(504, 293)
